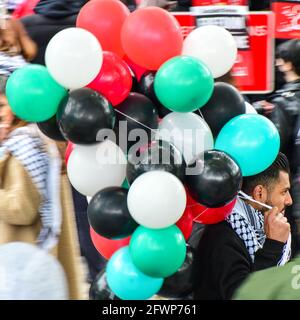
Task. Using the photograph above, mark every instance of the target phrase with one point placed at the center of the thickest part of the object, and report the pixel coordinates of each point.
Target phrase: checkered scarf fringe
(9, 64)
(248, 223)
(28, 148)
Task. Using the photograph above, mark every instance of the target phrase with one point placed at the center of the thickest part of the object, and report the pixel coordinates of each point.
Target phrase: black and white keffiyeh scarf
(43, 167)
(248, 223)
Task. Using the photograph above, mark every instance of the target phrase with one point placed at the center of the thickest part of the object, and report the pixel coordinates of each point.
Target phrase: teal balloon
(252, 140)
(32, 93)
(183, 84)
(158, 252)
(126, 281)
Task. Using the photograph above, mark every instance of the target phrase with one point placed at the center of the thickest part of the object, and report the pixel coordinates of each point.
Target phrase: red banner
(254, 68)
(287, 17)
(187, 22)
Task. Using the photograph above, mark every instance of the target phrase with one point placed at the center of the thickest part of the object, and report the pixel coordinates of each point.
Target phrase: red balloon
(204, 215)
(137, 70)
(150, 36)
(185, 223)
(69, 150)
(114, 80)
(104, 19)
(107, 247)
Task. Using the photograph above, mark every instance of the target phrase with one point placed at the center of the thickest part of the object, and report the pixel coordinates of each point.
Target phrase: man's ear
(259, 193)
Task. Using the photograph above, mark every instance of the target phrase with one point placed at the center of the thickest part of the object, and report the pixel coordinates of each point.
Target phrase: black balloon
(225, 103)
(216, 181)
(83, 114)
(108, 213)
(100, 290)
(50, 129)
(159, 155)
(181, 284)
(135, 84)
(146, 87)
(138, 112)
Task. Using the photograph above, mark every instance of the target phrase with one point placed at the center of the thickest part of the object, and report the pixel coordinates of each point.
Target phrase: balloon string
(200, 114)
(125, 115)
(243, 195)
(200, 214)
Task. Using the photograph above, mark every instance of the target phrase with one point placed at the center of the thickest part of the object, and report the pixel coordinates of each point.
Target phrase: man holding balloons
(252, 238)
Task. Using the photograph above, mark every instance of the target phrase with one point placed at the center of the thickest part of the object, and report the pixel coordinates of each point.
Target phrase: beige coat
(20, 221)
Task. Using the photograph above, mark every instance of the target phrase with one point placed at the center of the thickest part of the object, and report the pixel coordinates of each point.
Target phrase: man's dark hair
(267, 177)
(289, 51)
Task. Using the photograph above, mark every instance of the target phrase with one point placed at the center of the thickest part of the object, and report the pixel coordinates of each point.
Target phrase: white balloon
(156, 199)
(213, 45)
(249, 108)
(88, 199)
(74, 57)
(95, 167)
(186, 131)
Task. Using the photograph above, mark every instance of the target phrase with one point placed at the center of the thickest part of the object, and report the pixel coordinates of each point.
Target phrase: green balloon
(125, 184)
(158, 253)
(32, 93)
(183, 84)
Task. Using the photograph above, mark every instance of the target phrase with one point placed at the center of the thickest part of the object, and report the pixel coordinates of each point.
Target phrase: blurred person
(35, 197)
(252, 238)
(29, 273)
(273, 284)
(16, 47)
(283, 107)
(50, 17)
(95, 262)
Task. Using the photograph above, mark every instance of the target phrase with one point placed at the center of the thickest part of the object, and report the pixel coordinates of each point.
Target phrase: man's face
(278, 194)
(284, 66)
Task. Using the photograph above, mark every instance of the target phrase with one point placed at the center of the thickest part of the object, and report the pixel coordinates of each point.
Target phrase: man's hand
(276, 226)
(264, 107)
(267, 107)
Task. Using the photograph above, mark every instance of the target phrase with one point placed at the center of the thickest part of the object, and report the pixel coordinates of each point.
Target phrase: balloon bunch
(187, 166)
(208, 155)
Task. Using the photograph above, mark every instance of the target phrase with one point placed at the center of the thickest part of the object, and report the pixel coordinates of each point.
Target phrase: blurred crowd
(45, 246)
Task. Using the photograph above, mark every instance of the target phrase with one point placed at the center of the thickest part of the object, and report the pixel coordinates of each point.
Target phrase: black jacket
(286, 118)
(57, 9)
(41, 29)
(51, 17)
(222, 262)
